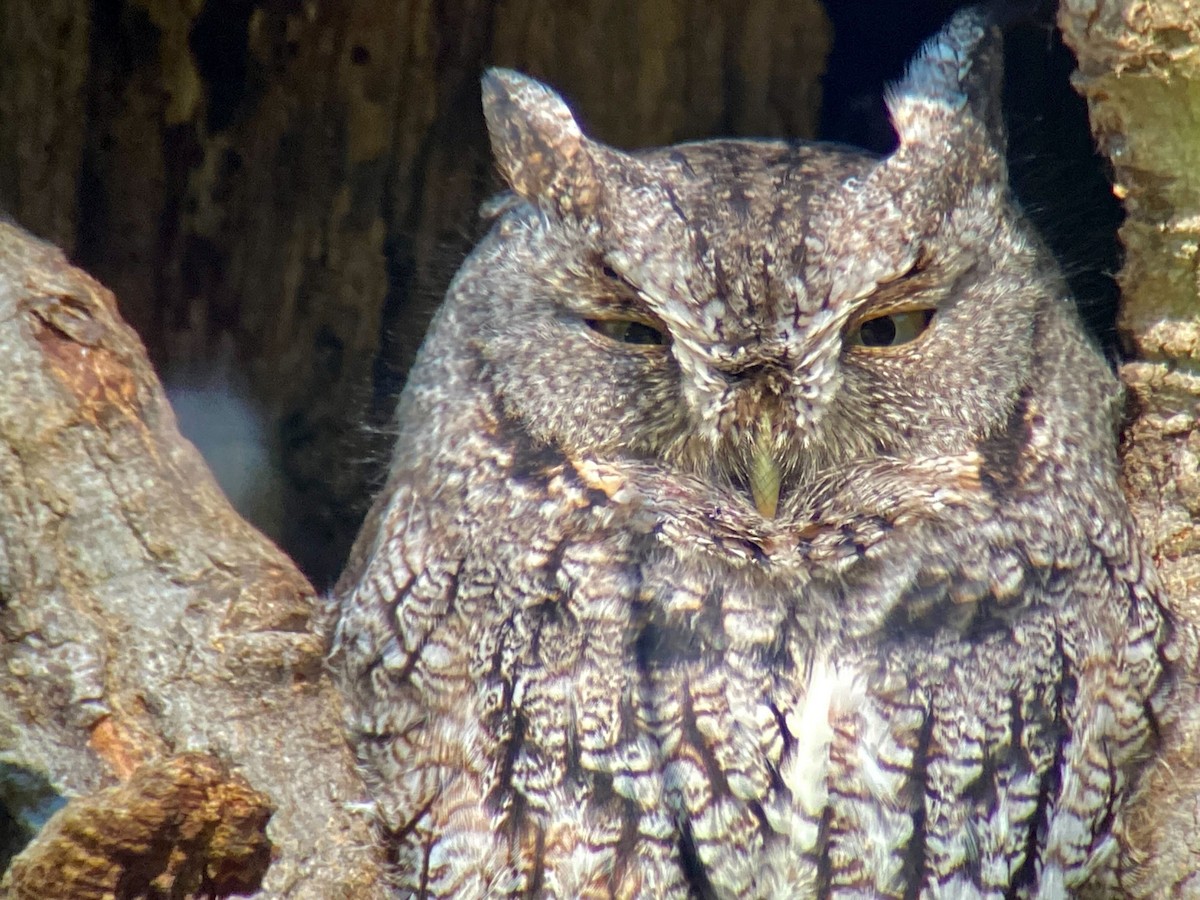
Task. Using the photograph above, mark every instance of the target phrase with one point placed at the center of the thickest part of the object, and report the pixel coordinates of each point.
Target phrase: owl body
(753, 531)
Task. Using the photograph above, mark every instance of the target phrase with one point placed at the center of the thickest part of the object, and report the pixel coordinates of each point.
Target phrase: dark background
(1062, 183)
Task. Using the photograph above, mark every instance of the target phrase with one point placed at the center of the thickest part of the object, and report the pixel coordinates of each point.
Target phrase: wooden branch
(140, 617)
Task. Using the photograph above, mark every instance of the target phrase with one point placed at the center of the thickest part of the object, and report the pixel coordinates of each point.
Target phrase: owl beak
(764, 473)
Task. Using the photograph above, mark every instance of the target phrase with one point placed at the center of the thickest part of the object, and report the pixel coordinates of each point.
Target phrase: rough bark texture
(289, 186)
(140, 616)
(179, 827)
(1139, 68)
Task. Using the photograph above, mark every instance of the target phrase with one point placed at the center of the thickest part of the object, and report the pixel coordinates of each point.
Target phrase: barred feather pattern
(597, 713)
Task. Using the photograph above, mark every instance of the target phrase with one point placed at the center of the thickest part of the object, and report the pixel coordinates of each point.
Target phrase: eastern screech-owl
(754, 530)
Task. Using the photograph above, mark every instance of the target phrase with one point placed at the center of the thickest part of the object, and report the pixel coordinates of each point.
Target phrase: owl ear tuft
(953, 85)
(540, 150)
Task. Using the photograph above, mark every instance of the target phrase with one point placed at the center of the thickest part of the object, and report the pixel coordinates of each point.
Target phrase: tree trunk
(1139, 68)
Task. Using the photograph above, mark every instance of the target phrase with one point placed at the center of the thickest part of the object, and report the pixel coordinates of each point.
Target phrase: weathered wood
(140, 616)
(1139, 68)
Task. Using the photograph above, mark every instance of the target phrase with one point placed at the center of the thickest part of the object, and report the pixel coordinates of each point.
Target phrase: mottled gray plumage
(754, 531)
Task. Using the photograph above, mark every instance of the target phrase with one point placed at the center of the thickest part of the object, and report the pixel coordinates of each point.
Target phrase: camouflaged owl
(753, 530)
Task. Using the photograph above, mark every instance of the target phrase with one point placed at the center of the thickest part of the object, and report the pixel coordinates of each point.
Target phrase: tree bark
(1139, 69)
(141, 618)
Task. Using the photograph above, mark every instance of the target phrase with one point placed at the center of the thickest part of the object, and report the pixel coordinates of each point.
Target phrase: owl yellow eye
(627, 331)
(892, 329)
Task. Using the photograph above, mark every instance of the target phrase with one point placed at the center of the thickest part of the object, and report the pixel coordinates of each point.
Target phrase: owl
(753, 530)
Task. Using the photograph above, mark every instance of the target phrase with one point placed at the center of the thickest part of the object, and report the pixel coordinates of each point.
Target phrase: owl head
(761, 313)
